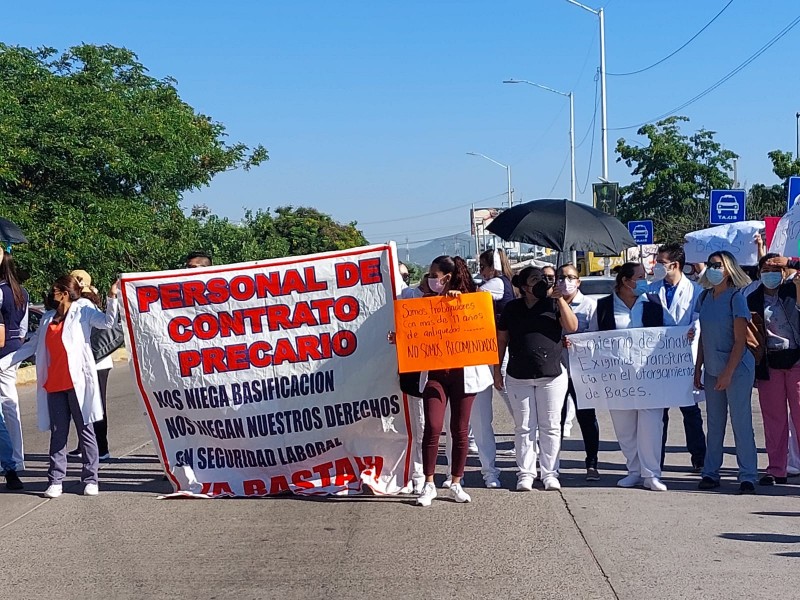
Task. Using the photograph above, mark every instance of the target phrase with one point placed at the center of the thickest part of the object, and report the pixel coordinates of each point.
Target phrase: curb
(27, 375)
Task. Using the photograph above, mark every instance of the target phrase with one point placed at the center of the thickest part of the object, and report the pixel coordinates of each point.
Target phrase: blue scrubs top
(716, 324)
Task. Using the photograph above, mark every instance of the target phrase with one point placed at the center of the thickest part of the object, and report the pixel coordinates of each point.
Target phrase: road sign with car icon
(727, 206)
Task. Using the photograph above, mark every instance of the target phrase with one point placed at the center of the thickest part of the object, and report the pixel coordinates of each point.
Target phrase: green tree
(675, 174)
(770, 201)
(95, 155)
(306, 230)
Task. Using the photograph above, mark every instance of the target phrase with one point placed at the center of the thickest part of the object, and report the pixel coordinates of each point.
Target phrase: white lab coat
(684, 309)
(76, 335)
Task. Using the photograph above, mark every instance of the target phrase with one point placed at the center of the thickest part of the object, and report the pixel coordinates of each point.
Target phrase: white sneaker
(654, 483)
(53, 491)
(91, 489)
(525, 483)
(567, 431)
(792, 471)
(458, 493)
(491, 482)
(632, 480)
(447, 483)
(551, 483)
(472, 448)
(417, 486)
(510, 452)
(427, 495)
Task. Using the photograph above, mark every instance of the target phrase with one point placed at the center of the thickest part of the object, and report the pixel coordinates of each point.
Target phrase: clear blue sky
(368, 108)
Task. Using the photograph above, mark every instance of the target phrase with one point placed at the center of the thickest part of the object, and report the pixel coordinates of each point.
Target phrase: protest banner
(633, 368)
(274, 376)
(442, 332)
(736, 238)
(786, 239)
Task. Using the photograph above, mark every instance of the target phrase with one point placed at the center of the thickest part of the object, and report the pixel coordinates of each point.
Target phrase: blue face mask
(641, 287)
(715, 276)
(771, 279)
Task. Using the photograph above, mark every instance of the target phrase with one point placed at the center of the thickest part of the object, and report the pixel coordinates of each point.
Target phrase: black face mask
(540, 289)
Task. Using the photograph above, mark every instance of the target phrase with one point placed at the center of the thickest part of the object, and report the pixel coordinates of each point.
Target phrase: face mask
(641, 287)
(436, 285)
(567, 287)
(771, 279)
(688, 269)
(659, 272)
(539, 290)
(715, 276)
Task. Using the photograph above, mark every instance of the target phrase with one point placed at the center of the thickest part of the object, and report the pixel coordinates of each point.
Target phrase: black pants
(695, 437)
(590, 429)
(101, 427)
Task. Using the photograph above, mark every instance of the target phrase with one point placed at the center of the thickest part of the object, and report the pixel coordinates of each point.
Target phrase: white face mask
(436, 285)
(715, 276)
(771, 279)
(568, 287)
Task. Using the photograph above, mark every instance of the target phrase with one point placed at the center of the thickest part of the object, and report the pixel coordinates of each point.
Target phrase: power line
(593, 126)
(670, 55)
(713, 87)
(594, 116)
(440, 238)
(564, 164)
(438, 212)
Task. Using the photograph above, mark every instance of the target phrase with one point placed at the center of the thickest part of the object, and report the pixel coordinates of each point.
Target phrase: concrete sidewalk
(590, 541)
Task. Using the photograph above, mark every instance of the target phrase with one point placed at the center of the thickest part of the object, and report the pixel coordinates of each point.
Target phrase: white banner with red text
(274, 376)
(651, 367)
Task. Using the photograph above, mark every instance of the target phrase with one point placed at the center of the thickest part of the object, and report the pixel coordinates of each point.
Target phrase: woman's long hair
(626, 271)
(460, 277)
(735, 274)
(521, 279)
(69, 285)
(8, 273)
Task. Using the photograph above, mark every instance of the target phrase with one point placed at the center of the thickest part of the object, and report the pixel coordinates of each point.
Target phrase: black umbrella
(10, 233)
(564, 226)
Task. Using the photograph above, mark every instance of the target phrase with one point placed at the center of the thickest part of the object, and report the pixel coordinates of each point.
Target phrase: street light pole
(506, 167)
(603, 112)
(571, 126)
(797, 153)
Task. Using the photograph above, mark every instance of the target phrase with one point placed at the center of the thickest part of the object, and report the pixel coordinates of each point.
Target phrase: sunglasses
(714, 265)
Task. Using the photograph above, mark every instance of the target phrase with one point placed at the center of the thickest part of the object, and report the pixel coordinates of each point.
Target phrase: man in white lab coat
(680, 297)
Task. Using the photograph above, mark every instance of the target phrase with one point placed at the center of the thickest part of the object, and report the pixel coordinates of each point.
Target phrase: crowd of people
(749, 336)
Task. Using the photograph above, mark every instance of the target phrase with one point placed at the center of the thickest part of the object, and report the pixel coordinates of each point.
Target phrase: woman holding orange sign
(449, 276)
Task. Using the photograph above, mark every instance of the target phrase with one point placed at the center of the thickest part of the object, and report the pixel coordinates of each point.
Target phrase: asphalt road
(589, 541)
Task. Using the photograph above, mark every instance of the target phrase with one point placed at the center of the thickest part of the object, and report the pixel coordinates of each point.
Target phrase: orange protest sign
(445, 333)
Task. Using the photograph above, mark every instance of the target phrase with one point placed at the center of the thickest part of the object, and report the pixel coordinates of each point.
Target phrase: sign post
(793, 196)
(727, 206)
(641, 232)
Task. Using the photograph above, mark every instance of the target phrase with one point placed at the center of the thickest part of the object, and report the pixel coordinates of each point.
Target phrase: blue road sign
(641, 231)
(727, 206)
(794, 192)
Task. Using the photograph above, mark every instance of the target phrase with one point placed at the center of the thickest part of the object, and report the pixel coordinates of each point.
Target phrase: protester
(449, 276)
(197, 260)
(729, 369)
(103, 367)
(14, 309)
(405, 276)
(568, 283)
(778, 376)
(639, 430)
(679, 298)
(531, 328)
(67, 387)
(13, 481)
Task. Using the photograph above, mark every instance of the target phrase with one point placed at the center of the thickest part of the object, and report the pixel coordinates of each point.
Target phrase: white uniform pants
(481, 421)
(417, 428)
(639, 434)
(9, 399)
(537, 405)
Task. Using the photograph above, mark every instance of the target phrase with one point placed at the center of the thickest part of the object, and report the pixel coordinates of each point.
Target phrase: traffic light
(605, 196)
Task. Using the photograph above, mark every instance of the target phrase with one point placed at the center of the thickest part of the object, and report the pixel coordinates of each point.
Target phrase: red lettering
(188, 360)
(308, 348)
(284, 352)
(260, 354)
(180, 329)
(346, 274)
(218, 292)
(370, 271)
(303, 315)
(278, 485)
(237, 357)
(145, 296)
(206, 326)
(278, 317)
(255, 487)
(221, 488)
(373, 464)
(344, 472)
(171, 296)
(255, 315)
(299, 480)
(323, 308)
(213, 360)
(193, 293)
(346, 309)
(324, 472)
(312, 285)
(242, 288)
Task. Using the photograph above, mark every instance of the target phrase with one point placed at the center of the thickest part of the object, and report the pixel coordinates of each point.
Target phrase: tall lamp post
(797, 153)
(508, 177)
(571, 126)
(603, 120)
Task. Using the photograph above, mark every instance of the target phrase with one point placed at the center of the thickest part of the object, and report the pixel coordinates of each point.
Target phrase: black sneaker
(13, 481)
(746, 488)
(706, 483)
(75, 453)
(781, 480)
(767, 480)
(697, 465)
